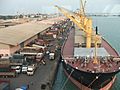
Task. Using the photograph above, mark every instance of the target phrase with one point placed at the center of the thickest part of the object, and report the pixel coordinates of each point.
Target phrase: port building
(15, 37)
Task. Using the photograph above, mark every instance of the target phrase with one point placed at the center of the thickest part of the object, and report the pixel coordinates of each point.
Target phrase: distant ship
(89, 61)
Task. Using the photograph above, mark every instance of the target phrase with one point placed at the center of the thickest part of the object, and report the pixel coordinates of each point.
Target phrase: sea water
(109, 28)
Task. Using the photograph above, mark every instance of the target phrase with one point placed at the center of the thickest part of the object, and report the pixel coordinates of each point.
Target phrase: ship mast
(82, 7)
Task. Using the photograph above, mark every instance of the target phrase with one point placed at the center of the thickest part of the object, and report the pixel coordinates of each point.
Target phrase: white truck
(39, 57)
(24, 69)
(18, 69)
(31, 69)
(51, 56)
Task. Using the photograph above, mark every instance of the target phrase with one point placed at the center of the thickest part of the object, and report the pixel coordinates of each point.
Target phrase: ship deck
(107, 65)
(68, 49)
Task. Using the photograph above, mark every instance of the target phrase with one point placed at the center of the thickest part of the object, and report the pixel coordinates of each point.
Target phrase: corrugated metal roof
(14, 35)
(3, 46)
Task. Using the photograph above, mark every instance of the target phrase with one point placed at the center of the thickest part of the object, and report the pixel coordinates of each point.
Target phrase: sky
(11, 7)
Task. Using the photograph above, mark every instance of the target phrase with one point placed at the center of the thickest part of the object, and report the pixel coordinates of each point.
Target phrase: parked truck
(31, 69)
(51, 56)
(17, 69)
(24, 68)
(39, 57)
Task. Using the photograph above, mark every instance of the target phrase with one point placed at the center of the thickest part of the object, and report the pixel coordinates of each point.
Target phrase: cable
(93, 80)
(67, 79)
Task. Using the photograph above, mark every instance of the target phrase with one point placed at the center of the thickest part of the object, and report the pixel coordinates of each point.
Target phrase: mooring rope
(93, 81)
(67, 79)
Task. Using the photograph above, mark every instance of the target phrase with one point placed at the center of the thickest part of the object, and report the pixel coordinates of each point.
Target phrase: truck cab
(39, 57)
(31, 69)
(18, 69)
(24, 68)
(51, 56)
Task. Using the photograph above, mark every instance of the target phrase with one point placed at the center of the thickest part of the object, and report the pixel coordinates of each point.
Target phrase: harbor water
(109, 28)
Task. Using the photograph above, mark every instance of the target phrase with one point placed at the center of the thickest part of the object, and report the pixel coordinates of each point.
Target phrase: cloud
(35, 6)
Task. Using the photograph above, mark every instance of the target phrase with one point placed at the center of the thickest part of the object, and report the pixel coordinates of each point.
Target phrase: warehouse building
(15, 37)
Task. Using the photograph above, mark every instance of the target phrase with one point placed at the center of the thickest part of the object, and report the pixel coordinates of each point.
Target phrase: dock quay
(40, 52)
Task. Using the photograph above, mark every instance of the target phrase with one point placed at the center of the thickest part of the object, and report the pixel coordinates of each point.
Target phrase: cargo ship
(88, 60)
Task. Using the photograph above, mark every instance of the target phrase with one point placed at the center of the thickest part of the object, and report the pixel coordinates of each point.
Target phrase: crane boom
(81, 21)
(71, 16)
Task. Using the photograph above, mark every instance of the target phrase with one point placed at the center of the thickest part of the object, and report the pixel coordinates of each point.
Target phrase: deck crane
(84, 23)
(81, 21)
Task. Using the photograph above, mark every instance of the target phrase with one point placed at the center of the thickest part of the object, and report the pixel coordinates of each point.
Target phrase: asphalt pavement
(41, 76)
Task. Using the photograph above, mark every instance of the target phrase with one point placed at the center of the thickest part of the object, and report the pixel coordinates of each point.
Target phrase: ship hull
(88, 80)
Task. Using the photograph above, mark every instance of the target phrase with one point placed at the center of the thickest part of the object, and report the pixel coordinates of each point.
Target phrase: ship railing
(102, 59)
(109, 59)
(112, 63)
(107, 62)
